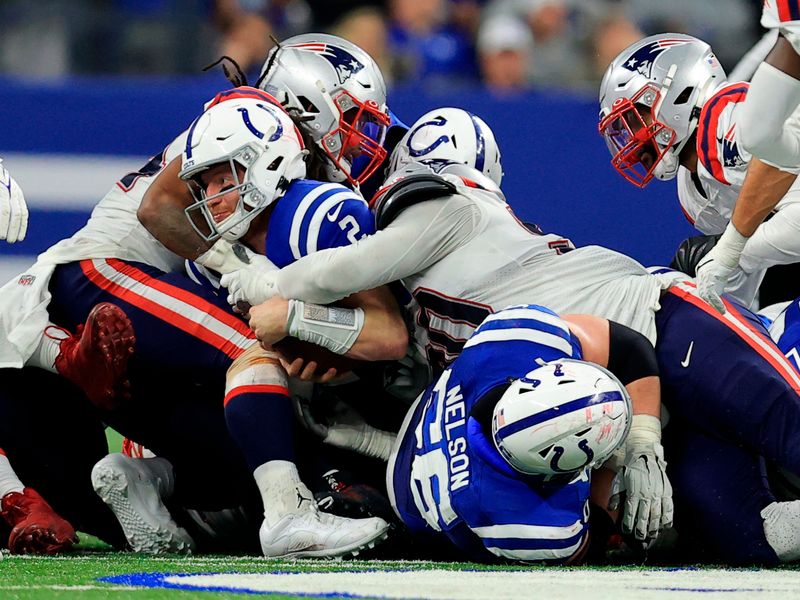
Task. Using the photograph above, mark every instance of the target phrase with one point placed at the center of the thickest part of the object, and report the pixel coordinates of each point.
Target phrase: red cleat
(96, 357)
(35, 527)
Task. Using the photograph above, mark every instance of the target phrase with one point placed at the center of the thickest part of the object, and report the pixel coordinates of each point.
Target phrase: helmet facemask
(355, 147)
(642, 147)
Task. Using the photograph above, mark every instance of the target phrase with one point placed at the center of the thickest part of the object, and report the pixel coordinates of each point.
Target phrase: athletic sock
(9, 482)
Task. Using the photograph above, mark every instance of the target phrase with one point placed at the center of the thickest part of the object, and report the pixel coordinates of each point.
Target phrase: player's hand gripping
(13, 210)
(252, 285)
(715, 269)
(268, 320)
(648, 501)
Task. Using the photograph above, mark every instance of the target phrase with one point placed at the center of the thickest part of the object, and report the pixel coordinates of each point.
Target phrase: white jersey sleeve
(419, 237)
(708, 197)
(783, 15)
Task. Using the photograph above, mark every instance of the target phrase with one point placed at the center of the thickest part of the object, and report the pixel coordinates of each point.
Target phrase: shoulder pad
(408, 191)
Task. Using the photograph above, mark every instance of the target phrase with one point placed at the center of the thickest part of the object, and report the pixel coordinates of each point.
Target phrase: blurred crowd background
(441, 45)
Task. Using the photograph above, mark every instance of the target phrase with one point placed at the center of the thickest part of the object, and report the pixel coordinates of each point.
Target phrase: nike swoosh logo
(332, 216)
(685, 361)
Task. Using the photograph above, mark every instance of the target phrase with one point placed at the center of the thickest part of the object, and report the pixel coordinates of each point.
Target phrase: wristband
(331, 327)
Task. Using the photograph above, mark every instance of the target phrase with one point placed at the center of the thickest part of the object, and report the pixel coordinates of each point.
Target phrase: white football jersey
(783, 15)
(113, 231)
(465, 256)
(505, 264)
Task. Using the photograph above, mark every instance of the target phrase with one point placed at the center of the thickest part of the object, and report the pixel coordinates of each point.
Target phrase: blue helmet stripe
(480, 144)
(188, 150)
(557, 411)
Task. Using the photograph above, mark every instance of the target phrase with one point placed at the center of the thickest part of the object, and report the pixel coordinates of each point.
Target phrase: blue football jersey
(314, 216)
(447, 476)
(785, 332)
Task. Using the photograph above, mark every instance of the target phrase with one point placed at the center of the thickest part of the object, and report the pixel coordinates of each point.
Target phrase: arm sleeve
(771, 100)
(420, 236)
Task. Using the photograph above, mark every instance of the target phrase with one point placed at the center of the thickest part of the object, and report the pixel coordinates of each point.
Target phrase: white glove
(13, 210)
(648, 503)
(346, 429)
(715, 269)
(408, 377)
(252, 284)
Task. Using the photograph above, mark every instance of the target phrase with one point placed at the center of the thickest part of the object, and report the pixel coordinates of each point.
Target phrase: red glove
(35, 527)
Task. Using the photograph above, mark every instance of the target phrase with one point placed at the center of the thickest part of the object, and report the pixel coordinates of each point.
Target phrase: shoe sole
(112, 487)
(352, 550)
(114, 339)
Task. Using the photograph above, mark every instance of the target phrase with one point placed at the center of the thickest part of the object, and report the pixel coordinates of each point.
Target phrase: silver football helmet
(338, 92)
(450, 135)
(565, 416)
(650, 101)
(260, 146)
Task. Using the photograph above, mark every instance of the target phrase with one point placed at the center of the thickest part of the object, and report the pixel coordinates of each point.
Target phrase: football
(292, 348)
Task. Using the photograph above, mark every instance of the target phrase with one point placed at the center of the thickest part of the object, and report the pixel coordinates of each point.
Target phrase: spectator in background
(505, 53)
(727, 25)
(560, 28)
(366, 28)
(245, 31)
(425, 46)
(612, 35)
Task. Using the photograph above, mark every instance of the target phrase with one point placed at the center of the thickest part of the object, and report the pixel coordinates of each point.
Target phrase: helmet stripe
(188, 150)
(707, 149)
(557, 411)
(480, 144)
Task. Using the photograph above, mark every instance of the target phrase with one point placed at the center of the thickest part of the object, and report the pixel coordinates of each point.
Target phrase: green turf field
(94, 574)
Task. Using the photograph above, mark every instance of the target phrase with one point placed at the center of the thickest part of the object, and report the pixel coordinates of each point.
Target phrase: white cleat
(315, 534)
(133, 490)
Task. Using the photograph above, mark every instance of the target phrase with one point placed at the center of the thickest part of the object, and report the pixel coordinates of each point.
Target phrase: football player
(519, 415)
(243, 157)
(667, 111)
(463, 255)
(769, 130)
(13, 210)
(337, 95)
(181, 330)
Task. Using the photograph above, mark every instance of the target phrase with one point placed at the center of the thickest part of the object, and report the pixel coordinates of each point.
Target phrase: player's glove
(13, 210)
(406, 378)
(345, 428)
(715, 269)
(648, 501)
(252, 285)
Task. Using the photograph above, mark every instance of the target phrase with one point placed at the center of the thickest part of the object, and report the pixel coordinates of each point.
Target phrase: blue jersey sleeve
(314, 216)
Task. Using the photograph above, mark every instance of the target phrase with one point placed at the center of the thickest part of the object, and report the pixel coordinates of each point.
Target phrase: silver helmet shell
(650, 101)
(338, 92)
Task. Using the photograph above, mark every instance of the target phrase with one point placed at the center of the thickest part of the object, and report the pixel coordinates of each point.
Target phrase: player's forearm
(645, 396)
(162, 213)
(384, 335)
(763, 188)
(420, 236)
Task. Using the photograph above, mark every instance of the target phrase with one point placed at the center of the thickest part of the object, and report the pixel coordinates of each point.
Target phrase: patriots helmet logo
(642, 60)
(730, 150)
(344, 63)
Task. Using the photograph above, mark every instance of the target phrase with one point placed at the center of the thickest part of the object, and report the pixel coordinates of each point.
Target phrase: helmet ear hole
(308, 105)
(684, 96)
